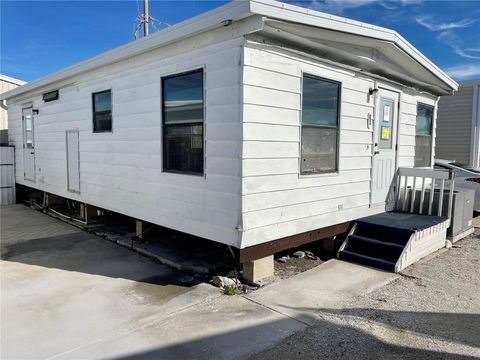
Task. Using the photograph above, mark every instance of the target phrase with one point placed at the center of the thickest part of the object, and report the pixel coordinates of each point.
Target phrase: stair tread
(376, 241)
(368, 257)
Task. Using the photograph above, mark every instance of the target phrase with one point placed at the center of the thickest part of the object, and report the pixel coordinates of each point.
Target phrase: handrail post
(451, 176)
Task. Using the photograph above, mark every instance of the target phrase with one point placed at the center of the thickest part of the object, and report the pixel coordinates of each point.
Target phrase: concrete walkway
(69, 294)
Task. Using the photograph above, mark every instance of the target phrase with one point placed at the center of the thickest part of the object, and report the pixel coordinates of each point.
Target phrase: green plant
(230, 290)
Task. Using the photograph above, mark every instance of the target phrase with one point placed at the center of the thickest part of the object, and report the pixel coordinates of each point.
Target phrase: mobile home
(259, 125)
(458, 130)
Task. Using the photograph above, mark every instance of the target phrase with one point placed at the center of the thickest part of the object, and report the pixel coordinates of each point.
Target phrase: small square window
(102, 111)
(50, 96)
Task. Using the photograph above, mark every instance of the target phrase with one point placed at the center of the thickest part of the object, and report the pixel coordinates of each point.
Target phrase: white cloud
(451, 39)
(339, 6)
(336, 6)
(467, 71)
(429, 24)
(473, 49)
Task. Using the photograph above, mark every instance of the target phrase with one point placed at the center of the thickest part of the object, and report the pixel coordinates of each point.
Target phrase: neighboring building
(252, 123)
(458, 125)
(7, 83)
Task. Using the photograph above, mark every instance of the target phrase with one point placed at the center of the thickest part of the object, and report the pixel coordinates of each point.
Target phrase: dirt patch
(294, 266)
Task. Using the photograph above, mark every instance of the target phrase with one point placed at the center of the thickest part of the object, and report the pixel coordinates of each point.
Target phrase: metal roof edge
(12, 80)
(234, 10)
(297, 14)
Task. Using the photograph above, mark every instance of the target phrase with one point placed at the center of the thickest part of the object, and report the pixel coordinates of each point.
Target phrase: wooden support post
(256, 271)
(90, 212)
(139, 229)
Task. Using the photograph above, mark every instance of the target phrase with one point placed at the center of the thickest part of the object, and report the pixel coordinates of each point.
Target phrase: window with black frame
(183, 113)
(423, 136)
(102, 111)
(320, 114)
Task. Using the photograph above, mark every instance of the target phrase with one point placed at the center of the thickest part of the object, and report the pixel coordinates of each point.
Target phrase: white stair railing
(407, 180)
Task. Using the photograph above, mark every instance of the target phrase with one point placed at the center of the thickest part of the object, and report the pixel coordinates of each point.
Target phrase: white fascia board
(281, 11)
(12, 80)
(235, 10)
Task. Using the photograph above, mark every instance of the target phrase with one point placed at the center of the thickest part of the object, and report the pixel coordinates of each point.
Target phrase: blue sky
(41, 37)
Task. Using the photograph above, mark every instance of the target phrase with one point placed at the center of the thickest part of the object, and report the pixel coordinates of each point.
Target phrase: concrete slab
(227, 328)
(19, 223)
(330, 285)
(73, 295)
(62, 291)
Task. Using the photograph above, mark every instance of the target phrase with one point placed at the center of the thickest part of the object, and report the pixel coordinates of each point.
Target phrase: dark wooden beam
(262, 250)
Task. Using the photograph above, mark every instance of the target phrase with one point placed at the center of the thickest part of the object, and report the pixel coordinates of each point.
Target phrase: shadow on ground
(86, 253)
(325, 340)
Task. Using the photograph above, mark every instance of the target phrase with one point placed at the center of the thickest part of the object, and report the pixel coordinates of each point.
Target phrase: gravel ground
(431, 312)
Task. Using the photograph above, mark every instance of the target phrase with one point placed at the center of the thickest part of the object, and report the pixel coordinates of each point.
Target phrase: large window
(102, 111)
(182, 99)
(320, 111)
(423, 136)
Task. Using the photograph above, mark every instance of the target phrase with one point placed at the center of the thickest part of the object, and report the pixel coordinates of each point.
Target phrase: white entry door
(73, 164)
(28, 144)
(385, 148)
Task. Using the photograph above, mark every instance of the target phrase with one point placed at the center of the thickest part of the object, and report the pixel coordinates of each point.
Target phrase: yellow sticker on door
(385, 133)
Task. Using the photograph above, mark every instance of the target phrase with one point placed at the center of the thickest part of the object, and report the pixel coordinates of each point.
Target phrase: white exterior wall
(121, 171)
(4, 87)
(409, 100)
(276, 200)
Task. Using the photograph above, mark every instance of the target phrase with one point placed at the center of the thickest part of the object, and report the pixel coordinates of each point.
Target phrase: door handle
(376, 152)
(32, 152)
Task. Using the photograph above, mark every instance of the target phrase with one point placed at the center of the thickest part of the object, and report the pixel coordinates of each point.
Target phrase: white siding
(121, 171)
(455, 125)
(407, 125)
(4, 87)
(277, 201)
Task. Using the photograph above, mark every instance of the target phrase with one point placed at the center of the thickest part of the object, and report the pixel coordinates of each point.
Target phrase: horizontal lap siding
(121, 171)
(407, 126)
(277, 201)
(455, 125)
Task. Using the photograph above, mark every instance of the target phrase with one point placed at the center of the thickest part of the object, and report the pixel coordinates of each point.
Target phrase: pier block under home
(259, 125)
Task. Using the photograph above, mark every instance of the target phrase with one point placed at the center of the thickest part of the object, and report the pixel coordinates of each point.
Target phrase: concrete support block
(258, 270)
(139, 229)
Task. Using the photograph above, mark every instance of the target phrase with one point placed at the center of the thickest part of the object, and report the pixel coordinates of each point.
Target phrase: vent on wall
(50, 96)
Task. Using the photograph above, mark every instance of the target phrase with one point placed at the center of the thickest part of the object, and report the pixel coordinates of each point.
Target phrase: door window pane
(183, 108)
(319, 150)
(386, 124)
(320, 111)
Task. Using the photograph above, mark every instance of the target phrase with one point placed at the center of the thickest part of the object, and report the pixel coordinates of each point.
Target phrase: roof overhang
(12, 80)
(380, 58)
(390, 40)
